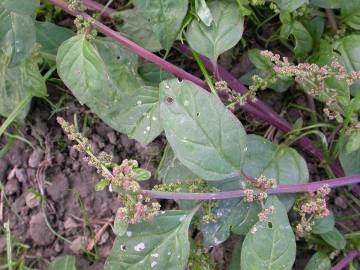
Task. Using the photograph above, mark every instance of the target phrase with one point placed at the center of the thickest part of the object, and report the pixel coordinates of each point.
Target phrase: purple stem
(259, 109)
(346, 260)
(294, 188)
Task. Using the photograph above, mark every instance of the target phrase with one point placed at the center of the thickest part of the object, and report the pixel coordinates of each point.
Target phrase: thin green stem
(205, 73)
(11, 118)
(8, 245)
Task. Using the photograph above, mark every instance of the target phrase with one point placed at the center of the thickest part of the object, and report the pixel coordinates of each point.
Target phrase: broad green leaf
(24, 7)
(136, 27)
(260, 62)
(270, 244)
(349, 48)
(323, 225)
(303, 39)
(353, 142)
(315, 27)
(234, 214)
(350, 13)
(203, 12)
(350, 162)
(289, 5)
(223, 34)
(120, 226)
(165, 18)
(334, 238)
(103, 75)
(17, 34)
(171, 170)
(153, 74)
(50, 36)
(162, 243)
(18, 82)
(326, 3)
(205, 136)
(319, 261)
(275, 161)
(63, 263)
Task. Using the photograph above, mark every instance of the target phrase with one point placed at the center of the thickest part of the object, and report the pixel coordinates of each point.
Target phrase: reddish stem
(294, 188)
(259, 109)
(346, 260)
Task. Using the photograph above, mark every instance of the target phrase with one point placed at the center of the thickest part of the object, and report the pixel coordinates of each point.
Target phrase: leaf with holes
(270, 244)
(275, 161)
(235, 215)
(165, 18)
(224, 32)
(204, 135)
(63, 263)
(162, 243)
(103, 75)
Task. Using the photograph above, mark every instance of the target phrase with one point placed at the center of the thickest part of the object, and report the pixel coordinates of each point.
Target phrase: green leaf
(319, 261)
(260, 62)
(102, 184)
(50, 36)
(234, 214)
(303, 39)
(289, 5)
(203, 12)
(24, 7)
(133, 25)
(17, 32)
(103, 75)
(270, 244)
(350, 162)
(223, 34)
(171, 170)
(350, 13)
(353, 142)
(199, 129)
(142, 174)
(275, 161)
(16, 83)
(153, 74)
(120, 226)
(165, 18)
(326, 3)
(323, 225)
(334, 238)
(315, 27)
(162, 243)
(63, 263)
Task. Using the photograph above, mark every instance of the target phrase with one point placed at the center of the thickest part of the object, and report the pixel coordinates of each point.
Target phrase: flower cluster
(75, 5)
(311, 207)
(85, 26)
(137, 209)
(312, 78)
(257, 192)
(193, 186)
(122, 178)
(124, 175)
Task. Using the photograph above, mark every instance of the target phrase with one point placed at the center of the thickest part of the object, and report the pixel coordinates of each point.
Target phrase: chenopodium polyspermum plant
(205, 141)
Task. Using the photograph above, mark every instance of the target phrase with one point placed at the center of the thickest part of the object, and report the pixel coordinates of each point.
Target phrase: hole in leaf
(270, 225)
(169, 100)
(123, 247)
(118, 57)
(197, 114)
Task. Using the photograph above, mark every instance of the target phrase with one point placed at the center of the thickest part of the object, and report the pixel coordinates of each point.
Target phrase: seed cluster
(311, 207)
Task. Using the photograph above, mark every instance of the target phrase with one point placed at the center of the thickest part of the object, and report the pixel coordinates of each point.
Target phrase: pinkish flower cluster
(136, 211)
(313, 206)
(312, 79)
(265, 213)
(124, 175)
